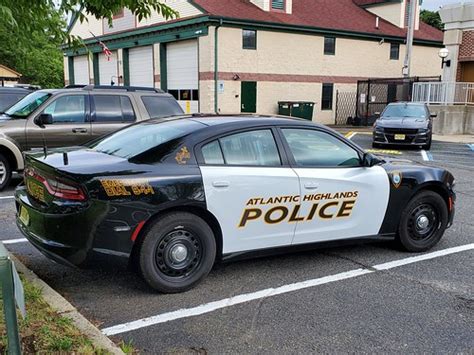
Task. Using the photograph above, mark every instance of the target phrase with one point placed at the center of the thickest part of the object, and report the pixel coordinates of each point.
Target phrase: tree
(432, 18)
(31, 32)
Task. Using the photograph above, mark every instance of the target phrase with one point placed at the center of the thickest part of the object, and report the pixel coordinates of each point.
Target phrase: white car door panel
(340, 203)
(241, 197)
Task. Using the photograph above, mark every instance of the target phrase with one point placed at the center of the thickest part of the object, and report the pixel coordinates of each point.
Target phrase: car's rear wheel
(177, 252)
(5, 172)
(423, 222)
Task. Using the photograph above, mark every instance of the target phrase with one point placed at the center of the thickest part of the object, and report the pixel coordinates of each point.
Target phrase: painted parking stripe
(14, 241)
(269, 292)
(350, 135)
(7, 197)
(384, 151)
(427, 156)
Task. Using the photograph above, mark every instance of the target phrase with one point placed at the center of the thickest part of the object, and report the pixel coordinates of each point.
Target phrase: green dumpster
(301, 109)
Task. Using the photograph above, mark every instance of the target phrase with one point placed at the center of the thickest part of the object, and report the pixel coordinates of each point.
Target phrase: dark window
(327, 95)
(329, 45)
(256, 148)
(175, 93)
(278, 5)
(113, 108)
(319, 149)
(212, 153)
(185, 95)
(6, 100)
(394, 51)
(161, 106)
(155, 139)
(68, 109)
(249, 39)
(195, 95)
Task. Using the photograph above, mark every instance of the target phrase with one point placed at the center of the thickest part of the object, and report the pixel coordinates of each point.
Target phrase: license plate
(399, 137)
(24, 216)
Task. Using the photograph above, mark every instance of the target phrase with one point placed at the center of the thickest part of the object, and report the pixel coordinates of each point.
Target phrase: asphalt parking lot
(343, 299)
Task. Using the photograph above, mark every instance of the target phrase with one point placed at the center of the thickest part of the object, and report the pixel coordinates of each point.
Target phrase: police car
(174, 196)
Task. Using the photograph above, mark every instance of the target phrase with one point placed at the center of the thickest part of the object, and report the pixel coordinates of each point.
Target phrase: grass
(43, 330)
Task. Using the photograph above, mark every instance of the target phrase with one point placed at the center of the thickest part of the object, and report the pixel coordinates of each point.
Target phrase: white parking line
(14, 241)
(269, 292)
(427, 156)
(6, 197)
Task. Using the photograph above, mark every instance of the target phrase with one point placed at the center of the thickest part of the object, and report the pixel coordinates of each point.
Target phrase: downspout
(216, 67)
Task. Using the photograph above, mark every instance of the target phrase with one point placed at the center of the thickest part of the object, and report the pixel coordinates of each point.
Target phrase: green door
(248, 97)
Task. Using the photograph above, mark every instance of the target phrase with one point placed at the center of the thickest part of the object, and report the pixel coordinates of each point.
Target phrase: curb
(66, 309)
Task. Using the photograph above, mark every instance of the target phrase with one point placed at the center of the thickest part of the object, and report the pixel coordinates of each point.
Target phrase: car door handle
(311, 185)
(79, 130)
(220, 184)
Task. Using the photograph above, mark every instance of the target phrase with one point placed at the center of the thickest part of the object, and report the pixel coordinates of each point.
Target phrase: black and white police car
(174, 196)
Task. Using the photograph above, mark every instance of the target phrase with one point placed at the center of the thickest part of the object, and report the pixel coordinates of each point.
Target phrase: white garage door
(141, 66)
(108, 69)
(183, 74)
(81, 70)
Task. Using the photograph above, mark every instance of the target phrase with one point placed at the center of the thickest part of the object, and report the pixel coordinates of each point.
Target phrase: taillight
(57, 188)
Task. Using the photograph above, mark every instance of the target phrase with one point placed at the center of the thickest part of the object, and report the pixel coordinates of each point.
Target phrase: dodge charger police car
(175, 196)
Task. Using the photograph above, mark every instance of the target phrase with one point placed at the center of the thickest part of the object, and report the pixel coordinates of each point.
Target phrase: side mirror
(369, 160)
(44, 119)
(433, 115)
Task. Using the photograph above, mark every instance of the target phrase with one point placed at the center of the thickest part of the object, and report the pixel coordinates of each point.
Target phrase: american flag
(105, 49)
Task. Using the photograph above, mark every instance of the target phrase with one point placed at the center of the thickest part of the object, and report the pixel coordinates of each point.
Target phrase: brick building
(246, 55)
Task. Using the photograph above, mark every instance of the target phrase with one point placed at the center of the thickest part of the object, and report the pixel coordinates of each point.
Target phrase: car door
(339, 198)
(250, 189)
(110, 112)
(70, 123)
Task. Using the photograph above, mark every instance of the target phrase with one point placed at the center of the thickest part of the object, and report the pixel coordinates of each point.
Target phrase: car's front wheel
(177, 252)
(427, 146)
(5, 172)
(423, 222)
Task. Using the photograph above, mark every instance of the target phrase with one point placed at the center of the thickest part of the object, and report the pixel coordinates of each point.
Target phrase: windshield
(140, 138)
(404, 111)
(28, 104)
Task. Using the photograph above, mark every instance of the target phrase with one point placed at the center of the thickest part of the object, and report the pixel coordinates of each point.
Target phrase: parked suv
(10, 96)
(73, 116)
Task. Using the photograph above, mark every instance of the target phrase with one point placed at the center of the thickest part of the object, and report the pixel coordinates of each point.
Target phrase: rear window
(144, 137)
(159, 106)
(6, 100)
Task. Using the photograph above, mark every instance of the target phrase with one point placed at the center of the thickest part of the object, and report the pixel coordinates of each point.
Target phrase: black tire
(417, 234)
(162, 247)
(5, 172)
(375, 145)
(427, 146)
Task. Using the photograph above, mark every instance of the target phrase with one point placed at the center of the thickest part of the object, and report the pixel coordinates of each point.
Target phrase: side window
(319, 149)
(113, 108)
(327, 96)
(68, 109)
(158, 107)
(212, 153)
(256, 148)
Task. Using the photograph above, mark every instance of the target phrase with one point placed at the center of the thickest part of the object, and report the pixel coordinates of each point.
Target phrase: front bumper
(411, 138)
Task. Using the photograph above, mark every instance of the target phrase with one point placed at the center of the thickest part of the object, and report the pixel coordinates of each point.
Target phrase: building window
(278, 5)
(329, 45)
(326, 97)
(394, 51)
(249, 39)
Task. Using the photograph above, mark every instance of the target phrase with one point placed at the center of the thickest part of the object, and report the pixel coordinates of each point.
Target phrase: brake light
(58, 188)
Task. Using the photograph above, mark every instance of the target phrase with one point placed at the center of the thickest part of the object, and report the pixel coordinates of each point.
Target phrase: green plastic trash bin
(301, 109)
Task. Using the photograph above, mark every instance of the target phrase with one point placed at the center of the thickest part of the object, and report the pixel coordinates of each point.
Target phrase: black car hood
(403, 122)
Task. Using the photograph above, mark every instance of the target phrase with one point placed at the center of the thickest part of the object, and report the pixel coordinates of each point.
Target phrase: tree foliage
(31, 32)
(432, 18)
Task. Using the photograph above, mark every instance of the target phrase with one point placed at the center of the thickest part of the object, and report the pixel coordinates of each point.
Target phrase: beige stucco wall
(286, 53)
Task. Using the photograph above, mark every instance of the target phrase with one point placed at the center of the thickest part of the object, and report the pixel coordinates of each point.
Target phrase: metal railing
(443, 93)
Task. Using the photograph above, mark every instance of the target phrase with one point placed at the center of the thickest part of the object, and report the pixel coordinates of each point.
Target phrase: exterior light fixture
(443, 54)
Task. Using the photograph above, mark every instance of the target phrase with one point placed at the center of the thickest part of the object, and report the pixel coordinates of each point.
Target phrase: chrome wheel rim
(3, 172)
